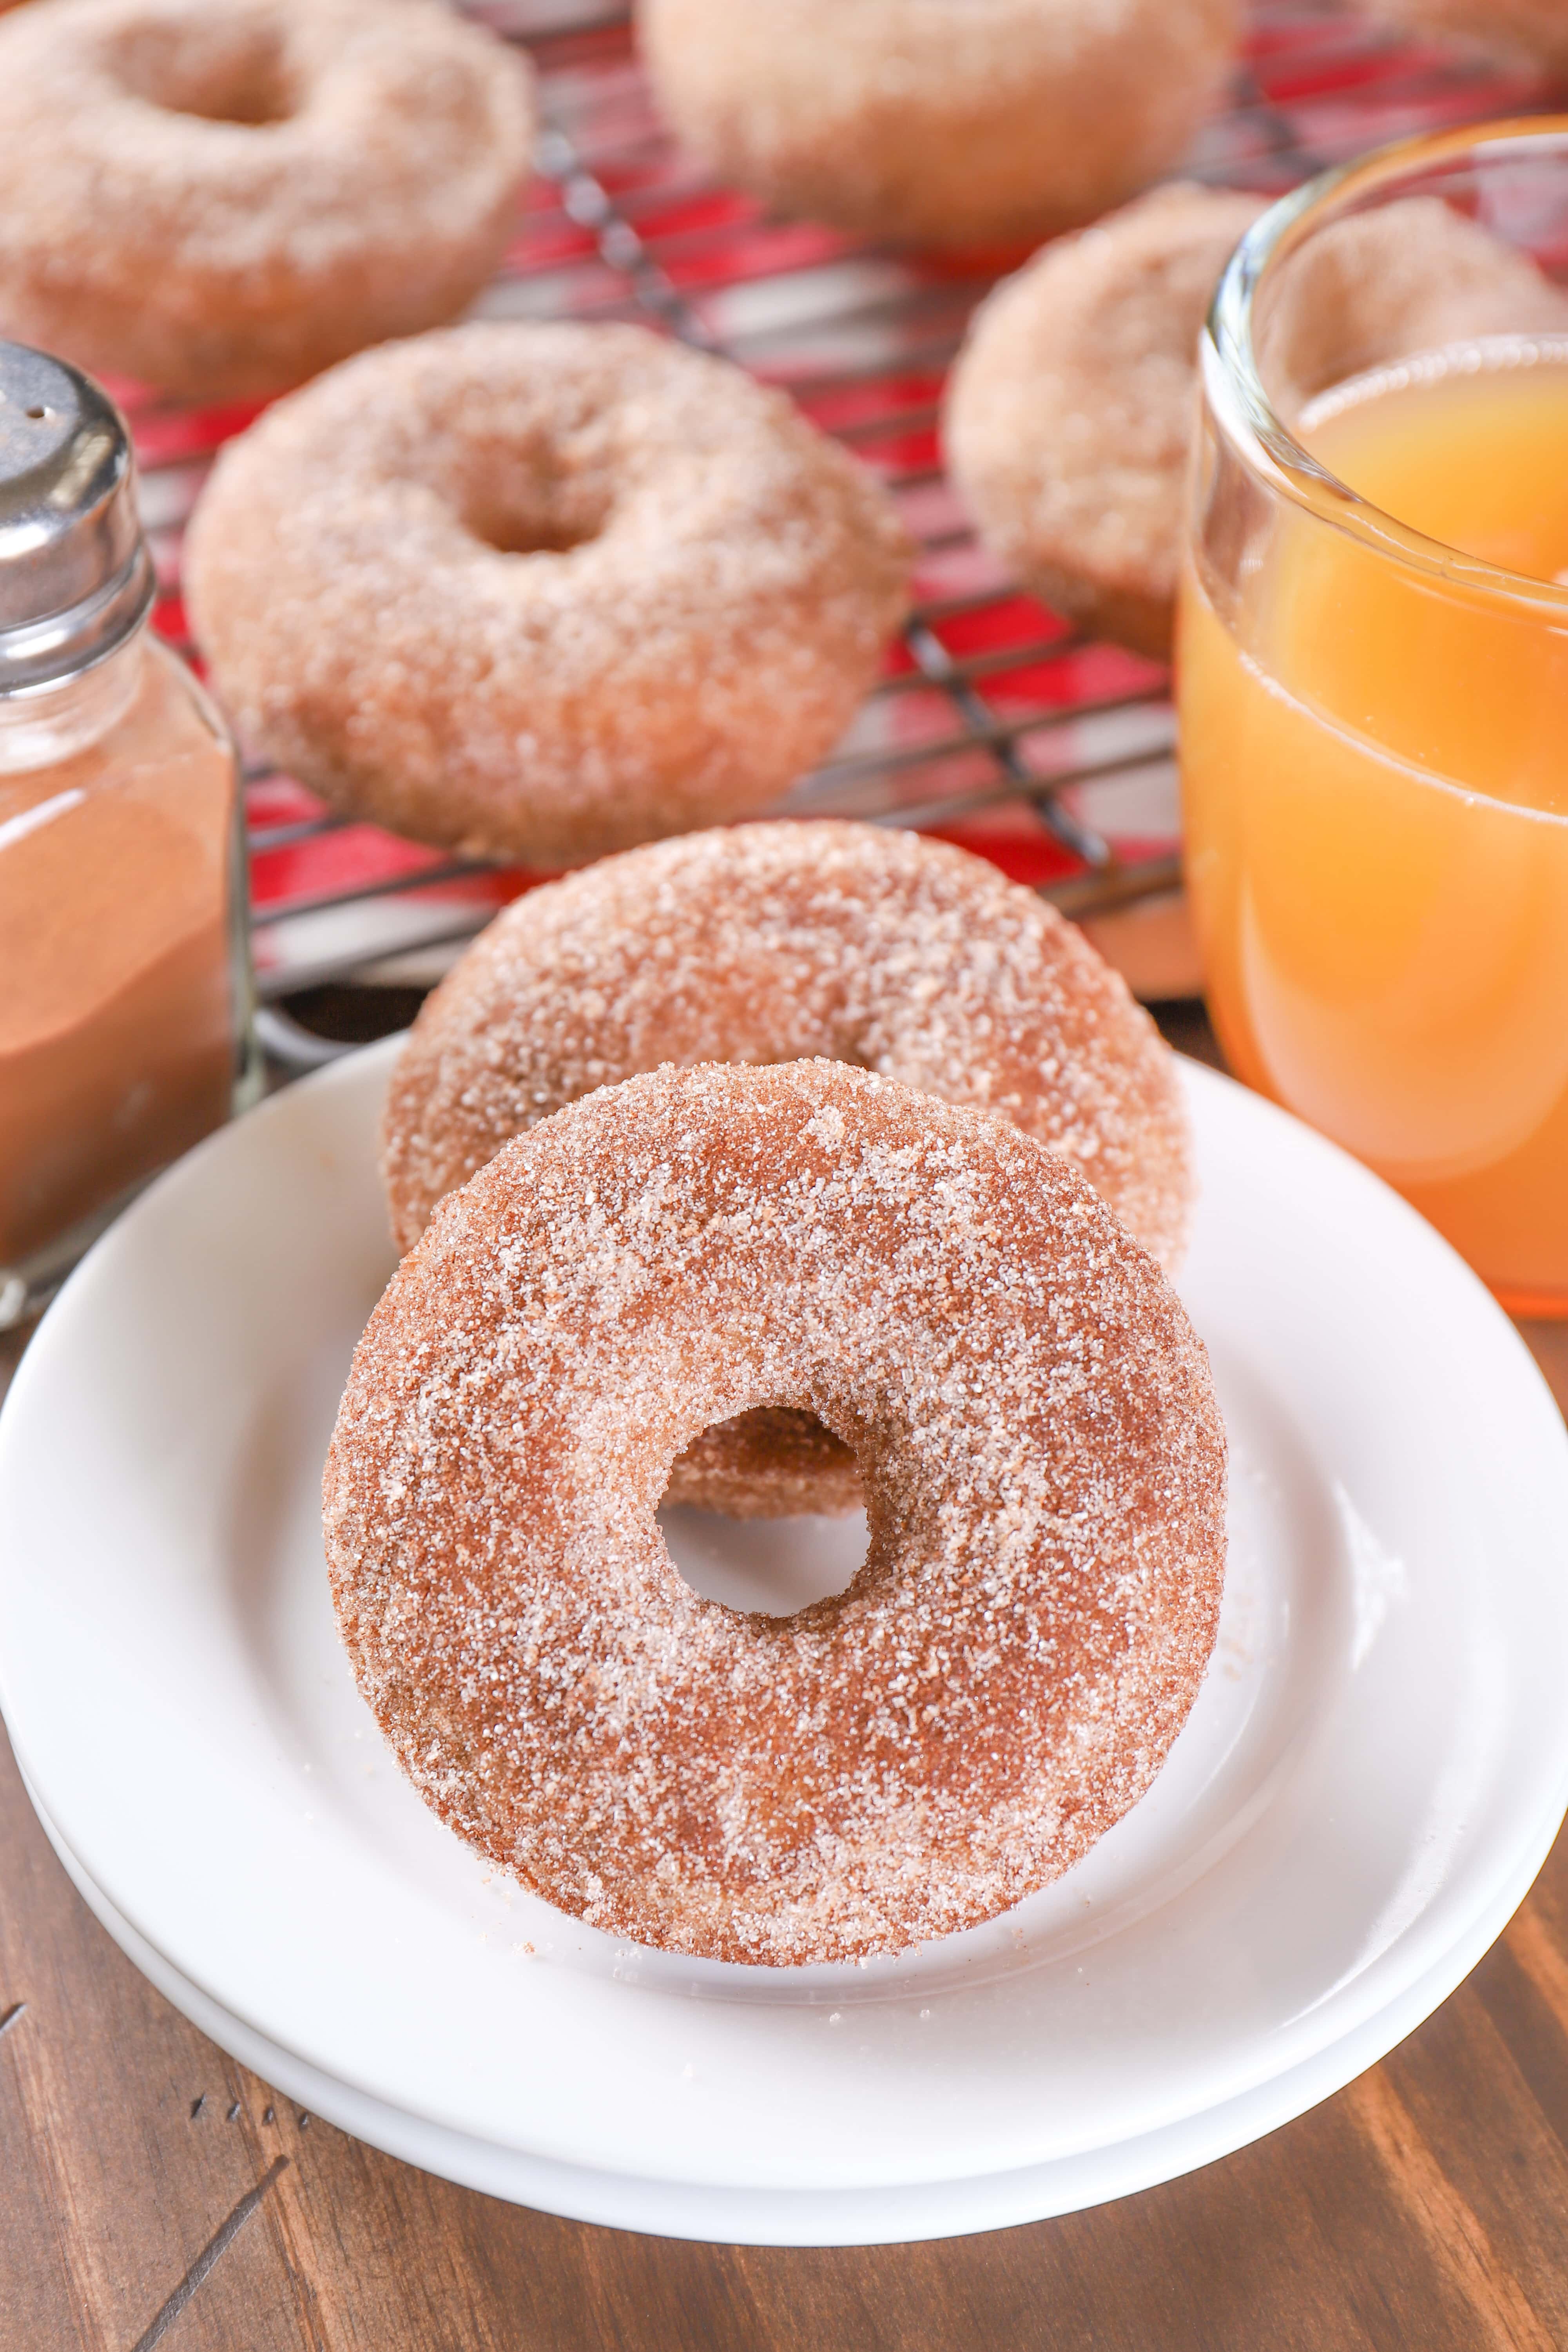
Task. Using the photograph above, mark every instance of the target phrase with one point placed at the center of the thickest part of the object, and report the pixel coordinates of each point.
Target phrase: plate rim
(899, 2213)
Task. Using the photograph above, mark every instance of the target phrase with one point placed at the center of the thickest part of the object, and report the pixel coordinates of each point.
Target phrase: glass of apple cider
(1372, 679)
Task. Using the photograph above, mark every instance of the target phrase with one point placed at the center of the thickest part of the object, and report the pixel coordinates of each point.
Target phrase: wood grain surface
(153, 2192)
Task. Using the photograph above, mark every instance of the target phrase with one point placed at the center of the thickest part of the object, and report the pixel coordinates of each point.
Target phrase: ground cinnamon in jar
(124, 1011)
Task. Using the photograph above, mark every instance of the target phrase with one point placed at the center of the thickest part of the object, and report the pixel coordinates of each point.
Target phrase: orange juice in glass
(1372, 679)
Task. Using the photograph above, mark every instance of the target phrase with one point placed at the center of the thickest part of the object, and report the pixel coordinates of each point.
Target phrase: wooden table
(154, 2193)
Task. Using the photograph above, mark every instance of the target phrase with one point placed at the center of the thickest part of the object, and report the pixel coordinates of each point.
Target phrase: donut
(780, 942)
(1068, 413)
(947, 121)
(1044, 1464)
(222, 200)
(543, 590)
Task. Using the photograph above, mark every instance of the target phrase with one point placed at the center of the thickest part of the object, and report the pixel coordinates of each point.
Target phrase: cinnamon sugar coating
(1070, 412)
(541, 590)
(1068, 416)
(222, 199)
(772, 1463)
(1044, 1477)
(944, 120)
(775, 943)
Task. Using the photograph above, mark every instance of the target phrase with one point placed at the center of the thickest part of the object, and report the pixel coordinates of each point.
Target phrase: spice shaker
(125, 992)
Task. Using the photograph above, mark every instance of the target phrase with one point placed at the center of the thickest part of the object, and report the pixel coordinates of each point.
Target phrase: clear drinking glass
(1374, 689)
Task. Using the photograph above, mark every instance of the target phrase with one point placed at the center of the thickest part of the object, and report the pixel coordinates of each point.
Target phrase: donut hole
(764, 1568)
(806, 1542)
(538, 515)
(217, 71)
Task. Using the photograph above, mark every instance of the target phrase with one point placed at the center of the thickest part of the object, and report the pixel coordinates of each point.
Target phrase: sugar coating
(952, 121)
(148, 234)
(1068, 416)
(779, 942)
(1068, 413)
(1045, 1473)
(703, 592)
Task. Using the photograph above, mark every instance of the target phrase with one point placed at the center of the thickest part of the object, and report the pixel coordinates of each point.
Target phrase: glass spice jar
(125, 990)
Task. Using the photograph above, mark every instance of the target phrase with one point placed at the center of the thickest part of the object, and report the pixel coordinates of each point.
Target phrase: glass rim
(1234, 388)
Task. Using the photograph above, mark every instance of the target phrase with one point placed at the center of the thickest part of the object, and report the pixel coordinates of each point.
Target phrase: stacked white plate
(1375, 1771)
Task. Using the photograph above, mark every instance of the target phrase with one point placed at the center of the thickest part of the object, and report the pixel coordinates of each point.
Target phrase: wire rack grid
(996, 723)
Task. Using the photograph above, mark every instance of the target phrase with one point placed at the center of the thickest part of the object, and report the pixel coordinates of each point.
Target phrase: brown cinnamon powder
(116, 1016)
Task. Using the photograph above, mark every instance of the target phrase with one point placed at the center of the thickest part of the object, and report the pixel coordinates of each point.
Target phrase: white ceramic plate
(800, 2217)
(1375, 1771)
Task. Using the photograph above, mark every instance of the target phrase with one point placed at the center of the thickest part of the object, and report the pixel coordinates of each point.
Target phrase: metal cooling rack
(996, 723)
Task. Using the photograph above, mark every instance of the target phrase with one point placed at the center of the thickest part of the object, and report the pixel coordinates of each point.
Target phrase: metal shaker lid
(76, 578)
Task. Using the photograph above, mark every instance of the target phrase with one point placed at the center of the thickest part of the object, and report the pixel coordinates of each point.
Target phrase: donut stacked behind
(953, 122)
(224, 199)
(780, 942)
(541, 590)
(1045, 1475)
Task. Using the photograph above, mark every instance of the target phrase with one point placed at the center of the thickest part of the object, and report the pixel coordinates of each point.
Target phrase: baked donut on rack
(1044, 1463)
(224, 200)
(779, 942)
(543, 590)
(1069, 414)
(947, 121)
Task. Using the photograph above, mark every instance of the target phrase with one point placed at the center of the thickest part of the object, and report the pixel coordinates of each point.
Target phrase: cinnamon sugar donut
(1070, 412)
(222, 199)
(952, 121)
(1044, 1477)
(775, 943)
(541, 590)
